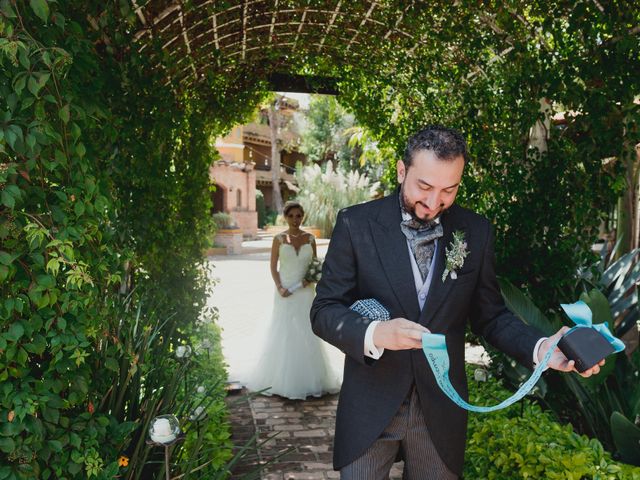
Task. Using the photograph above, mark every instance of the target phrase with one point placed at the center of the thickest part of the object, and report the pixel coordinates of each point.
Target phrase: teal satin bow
(580, 314)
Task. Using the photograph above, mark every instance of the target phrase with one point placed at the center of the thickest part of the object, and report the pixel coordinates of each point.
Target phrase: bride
(294, 363)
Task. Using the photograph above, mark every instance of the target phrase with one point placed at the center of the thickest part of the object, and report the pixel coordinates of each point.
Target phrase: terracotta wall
(247, 222)
(237, 182)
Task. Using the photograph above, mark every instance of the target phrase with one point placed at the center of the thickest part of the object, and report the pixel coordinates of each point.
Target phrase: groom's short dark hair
(446, 143)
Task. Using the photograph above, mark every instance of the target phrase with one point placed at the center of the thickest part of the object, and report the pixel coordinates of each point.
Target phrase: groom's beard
(411, 208)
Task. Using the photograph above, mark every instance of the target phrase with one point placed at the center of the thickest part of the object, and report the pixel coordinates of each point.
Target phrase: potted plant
(227, 237)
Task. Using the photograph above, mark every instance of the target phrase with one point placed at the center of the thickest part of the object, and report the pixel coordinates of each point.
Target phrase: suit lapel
(393, 252)
(438, 290)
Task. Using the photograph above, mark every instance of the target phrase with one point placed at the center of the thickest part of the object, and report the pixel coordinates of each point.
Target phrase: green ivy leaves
(67, 225)
(64, 114)
(10, 194)
(49, 228)
(41, 9)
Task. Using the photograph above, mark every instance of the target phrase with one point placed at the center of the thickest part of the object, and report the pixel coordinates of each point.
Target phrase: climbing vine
(104, 208)
(58, 252)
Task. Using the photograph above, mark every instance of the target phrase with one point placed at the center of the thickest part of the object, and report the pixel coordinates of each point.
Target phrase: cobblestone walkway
(295, 437)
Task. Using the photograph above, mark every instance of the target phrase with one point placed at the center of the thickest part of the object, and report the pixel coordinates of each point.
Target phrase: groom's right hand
(399, 334)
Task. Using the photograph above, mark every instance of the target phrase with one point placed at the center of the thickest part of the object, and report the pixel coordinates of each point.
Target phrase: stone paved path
(297, 437)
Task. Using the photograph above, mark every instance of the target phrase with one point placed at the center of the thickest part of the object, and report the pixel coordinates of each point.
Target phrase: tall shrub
(488, 81)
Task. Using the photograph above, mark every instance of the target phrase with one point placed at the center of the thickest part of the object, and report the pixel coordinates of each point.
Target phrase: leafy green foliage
(586, 402)
(626, 436)
(58, 257)
(223, 220)
(618, 280)
(103, 185)
(376, 159)
(104, 176)
(488, 80)
(525, 442)
(324, 138)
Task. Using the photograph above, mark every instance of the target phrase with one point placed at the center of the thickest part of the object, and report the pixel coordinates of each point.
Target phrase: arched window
(238, 198)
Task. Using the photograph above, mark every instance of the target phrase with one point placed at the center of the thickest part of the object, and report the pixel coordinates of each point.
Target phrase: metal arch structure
(189, 39)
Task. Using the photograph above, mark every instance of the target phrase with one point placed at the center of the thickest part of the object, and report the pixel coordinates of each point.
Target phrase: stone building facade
(244, 167)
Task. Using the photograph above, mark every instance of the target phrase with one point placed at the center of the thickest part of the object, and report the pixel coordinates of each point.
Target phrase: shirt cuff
(535, 354)
(370, 350)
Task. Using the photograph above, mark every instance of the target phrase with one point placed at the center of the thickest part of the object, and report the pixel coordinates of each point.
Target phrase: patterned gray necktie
(422, 236)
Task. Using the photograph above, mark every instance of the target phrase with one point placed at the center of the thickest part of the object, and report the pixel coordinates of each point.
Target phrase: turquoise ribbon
(434, 347)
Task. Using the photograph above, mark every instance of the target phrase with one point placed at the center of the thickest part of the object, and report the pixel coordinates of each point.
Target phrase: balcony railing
(286, 174)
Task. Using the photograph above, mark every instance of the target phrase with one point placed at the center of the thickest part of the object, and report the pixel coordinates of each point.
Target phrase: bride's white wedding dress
(293, 363)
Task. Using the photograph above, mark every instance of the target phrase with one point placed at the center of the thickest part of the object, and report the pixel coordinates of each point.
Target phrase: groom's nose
(433, 200)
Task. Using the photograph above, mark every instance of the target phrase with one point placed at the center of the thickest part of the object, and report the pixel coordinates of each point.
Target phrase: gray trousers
(408, 431)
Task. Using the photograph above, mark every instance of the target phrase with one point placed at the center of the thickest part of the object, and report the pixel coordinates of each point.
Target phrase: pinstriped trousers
(407, 431)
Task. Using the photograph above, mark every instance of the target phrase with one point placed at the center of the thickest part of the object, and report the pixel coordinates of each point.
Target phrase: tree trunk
(276, 197)
(539, 132)
(628, 218)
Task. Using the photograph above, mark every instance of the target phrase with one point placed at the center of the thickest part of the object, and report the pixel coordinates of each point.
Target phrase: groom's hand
(398, 334)
(559, 361)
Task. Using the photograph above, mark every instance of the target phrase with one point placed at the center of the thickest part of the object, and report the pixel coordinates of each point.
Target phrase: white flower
(200, 389)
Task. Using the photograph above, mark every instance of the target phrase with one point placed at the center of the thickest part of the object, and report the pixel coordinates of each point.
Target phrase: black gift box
(586, 346)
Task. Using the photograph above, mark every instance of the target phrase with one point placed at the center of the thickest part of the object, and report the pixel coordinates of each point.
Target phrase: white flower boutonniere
(455, 255)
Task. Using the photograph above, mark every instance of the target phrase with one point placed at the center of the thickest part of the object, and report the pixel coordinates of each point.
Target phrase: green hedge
(104, 209)
(524, 442)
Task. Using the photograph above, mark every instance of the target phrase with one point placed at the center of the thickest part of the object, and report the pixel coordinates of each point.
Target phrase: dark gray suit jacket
(368, 258)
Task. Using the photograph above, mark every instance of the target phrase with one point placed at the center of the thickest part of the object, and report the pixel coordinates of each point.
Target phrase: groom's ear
(401, 170)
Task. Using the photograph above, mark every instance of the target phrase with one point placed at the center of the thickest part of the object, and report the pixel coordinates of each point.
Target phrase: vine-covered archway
(107, 115)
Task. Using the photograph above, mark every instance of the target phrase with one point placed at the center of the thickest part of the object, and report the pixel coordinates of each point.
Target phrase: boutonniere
(455, 255)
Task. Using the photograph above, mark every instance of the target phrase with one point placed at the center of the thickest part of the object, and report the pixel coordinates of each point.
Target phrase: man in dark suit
(394, 250)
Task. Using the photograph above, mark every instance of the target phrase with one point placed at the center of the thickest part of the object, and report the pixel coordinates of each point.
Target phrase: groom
(393, 250)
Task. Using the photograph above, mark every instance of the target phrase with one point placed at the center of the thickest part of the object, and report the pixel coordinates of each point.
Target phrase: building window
(239, 198)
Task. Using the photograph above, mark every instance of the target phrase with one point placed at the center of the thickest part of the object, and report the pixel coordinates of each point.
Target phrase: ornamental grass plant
(324, 191)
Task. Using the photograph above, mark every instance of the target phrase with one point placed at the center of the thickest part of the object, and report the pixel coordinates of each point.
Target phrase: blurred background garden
(140, 137)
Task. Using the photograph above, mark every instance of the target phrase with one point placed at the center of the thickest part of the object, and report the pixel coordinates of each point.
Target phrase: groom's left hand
(559, 361)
